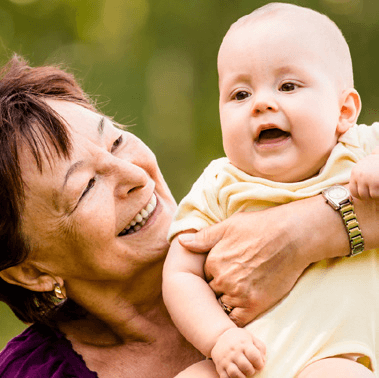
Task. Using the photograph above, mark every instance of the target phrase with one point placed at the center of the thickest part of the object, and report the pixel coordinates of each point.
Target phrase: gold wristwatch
(339, 198)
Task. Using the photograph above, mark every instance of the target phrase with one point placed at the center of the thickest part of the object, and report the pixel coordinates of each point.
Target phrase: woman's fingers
(203, 240)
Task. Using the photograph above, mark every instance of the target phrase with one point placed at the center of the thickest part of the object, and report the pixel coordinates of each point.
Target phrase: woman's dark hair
(25, 118)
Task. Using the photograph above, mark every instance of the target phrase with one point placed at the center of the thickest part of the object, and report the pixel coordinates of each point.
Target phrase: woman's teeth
(141, 218)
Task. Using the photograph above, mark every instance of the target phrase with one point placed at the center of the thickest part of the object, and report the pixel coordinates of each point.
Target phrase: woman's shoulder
(41, 352)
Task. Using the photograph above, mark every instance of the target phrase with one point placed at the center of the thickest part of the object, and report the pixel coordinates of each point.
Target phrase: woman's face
(84, 216)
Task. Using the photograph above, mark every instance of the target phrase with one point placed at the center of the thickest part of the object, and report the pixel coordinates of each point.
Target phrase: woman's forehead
(42, 159)
(77, 117)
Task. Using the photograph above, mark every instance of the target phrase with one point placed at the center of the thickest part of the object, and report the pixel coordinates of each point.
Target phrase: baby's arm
(364, 180)
(199, 317)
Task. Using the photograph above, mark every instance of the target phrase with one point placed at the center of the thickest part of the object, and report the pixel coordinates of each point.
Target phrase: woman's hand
(256, 258)
(251, 264)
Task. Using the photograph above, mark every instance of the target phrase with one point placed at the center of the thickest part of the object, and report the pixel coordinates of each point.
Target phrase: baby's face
(279, 102)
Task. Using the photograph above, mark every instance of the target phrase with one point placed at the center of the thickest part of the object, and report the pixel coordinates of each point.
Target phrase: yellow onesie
(334, 307)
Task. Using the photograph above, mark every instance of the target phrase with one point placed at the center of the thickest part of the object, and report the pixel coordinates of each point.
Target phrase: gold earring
(58, 291)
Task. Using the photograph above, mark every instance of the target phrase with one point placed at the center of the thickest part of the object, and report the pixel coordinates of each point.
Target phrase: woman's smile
(141, 218)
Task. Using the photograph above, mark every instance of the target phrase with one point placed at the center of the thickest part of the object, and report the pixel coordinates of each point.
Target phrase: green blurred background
(152, 64)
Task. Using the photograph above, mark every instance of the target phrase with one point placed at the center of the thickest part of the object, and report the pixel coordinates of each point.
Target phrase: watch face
(338, 192)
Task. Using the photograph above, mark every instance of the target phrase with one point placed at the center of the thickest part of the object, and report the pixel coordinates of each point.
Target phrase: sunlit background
(152, 64)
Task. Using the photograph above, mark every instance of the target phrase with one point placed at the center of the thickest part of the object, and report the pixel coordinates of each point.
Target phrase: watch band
(352, 227)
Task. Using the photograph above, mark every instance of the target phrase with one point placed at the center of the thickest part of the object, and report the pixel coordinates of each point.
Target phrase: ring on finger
(228, 309)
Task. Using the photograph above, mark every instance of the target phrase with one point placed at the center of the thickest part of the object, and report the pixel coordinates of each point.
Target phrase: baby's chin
(273, 172)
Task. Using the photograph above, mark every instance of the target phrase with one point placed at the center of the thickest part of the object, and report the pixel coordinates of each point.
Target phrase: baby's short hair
(332, 38)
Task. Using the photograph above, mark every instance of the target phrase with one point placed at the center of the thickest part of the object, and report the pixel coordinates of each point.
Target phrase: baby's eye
(241, 95)
(116, 143)
(288, 87)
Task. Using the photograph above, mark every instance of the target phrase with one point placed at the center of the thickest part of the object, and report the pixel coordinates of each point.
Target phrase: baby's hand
(238, 354)
(364, 179)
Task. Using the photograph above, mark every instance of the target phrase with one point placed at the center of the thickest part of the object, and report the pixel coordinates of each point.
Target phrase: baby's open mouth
(272, 135)
(141, 218)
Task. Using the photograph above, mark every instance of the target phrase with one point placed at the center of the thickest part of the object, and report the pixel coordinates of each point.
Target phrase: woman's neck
(106, 330)
(127, 331)
(148, 345)
(119, 312)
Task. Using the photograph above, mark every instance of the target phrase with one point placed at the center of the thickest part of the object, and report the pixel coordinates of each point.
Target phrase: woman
(84, 222)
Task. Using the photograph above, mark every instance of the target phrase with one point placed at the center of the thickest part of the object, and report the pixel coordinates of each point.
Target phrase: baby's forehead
(292, 24)
(302, 21)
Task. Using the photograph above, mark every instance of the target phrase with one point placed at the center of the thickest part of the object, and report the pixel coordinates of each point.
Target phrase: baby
(288, 111)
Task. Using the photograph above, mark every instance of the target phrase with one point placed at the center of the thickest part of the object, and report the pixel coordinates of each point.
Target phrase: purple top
(42, 352)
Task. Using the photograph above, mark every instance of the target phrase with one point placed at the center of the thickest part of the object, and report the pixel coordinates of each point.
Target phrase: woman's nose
(128, 177)
(264, 102)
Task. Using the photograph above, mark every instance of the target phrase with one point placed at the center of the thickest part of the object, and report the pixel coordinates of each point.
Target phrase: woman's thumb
(203, 240)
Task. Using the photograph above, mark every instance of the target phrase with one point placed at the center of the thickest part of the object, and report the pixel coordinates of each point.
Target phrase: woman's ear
(29, 277)
(350, 107)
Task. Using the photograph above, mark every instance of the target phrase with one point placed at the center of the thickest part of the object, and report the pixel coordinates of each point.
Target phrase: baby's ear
(350, 107)
(29, 277)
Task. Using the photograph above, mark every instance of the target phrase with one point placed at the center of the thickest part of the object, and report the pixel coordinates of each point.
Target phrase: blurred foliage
(152, 64)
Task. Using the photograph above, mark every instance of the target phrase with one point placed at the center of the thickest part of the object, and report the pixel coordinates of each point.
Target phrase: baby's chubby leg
(202, 369)
(336, 367)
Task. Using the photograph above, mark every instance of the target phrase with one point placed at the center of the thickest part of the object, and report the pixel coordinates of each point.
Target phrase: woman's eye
(91, 184)
(116, 143)
(288, 87)
(241, 95)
